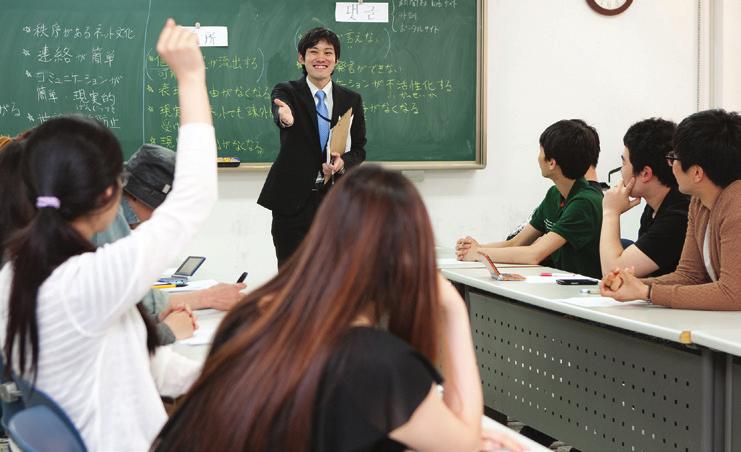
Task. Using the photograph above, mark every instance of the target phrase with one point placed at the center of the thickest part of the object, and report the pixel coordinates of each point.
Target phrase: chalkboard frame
(479, 161)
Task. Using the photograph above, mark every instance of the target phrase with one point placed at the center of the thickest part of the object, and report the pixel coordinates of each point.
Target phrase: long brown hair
(369, 252)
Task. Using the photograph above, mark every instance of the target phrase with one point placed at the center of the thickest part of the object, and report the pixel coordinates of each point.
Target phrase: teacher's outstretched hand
(284, 113)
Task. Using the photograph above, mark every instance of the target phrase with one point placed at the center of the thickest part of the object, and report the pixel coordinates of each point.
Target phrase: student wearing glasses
(664, 221)
(706, 162)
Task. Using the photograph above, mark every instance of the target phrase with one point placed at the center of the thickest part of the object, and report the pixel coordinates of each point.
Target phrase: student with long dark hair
(68, 310)
(16, 211)
(336, 352)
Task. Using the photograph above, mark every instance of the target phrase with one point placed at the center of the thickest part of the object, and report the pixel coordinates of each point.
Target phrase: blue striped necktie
(321, 109)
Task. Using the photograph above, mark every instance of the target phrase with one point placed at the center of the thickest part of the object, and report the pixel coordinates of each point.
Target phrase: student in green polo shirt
(565, 228)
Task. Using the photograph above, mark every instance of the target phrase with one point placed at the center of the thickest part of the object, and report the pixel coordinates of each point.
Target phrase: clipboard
(338, 137)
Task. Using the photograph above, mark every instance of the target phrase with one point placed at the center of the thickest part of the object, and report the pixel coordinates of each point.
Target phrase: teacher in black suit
(305, 110)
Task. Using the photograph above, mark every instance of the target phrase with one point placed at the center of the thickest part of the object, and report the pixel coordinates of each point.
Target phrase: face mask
(129, 213)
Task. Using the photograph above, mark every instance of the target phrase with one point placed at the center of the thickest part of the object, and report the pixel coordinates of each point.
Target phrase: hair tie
(47, 201)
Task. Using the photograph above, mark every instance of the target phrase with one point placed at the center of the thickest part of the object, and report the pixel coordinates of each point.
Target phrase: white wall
(728, 89)
(547, 60)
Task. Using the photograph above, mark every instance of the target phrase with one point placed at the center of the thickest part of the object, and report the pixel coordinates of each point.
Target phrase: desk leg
(714, 390)
(729, 404)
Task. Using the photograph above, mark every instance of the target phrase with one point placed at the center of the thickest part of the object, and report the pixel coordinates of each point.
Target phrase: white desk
(600, 378)
(530, 445)
(208, 321)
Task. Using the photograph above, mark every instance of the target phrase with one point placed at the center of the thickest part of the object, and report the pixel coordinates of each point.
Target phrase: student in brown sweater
(707, 164)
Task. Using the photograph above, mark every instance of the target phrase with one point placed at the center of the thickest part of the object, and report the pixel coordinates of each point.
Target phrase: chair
(47, 424)
(40, 429)
(10, 398)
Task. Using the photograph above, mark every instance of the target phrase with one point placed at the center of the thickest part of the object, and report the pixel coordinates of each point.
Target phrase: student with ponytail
(16, 210)
(68, 311)
(336, 352)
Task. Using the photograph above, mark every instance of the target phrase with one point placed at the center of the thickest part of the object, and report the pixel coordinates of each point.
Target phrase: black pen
(242, 277)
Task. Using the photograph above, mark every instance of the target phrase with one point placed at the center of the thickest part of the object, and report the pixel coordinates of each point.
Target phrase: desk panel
(595, 387)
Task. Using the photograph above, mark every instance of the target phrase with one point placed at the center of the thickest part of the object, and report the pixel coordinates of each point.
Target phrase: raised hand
(178, 48)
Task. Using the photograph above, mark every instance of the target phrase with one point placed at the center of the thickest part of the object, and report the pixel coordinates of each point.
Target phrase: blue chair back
(40, 429)
(34, 398)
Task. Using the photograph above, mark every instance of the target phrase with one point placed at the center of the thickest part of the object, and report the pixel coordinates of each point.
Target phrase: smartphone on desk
(495, 273)
(577, 282)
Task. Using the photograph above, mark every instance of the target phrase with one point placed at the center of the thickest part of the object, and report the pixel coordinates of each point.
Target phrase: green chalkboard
(419, 73)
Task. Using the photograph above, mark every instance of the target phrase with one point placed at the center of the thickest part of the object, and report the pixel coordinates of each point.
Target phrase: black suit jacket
(291, 178)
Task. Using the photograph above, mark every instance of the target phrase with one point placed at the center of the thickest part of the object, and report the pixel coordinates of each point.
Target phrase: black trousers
(289, 230)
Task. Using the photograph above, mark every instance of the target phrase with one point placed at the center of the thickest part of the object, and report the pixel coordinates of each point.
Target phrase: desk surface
(727, 340)
(675, 325)
(208, 321)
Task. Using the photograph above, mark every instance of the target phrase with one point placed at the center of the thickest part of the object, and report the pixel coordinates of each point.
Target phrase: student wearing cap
(150, 173)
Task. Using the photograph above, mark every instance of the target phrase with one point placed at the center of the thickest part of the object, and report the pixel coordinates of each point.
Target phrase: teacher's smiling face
(319, 62)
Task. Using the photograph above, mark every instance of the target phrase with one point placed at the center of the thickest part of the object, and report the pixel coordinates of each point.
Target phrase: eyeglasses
(613, 171)
(671, 157)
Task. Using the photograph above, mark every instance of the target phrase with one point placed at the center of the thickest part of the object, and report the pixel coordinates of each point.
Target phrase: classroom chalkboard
(420, 73)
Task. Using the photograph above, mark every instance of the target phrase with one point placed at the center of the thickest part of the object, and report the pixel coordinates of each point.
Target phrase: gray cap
(151, 171)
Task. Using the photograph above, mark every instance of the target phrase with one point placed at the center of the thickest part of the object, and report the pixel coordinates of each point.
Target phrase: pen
(590, 291)
(163, 286)
(241, 277)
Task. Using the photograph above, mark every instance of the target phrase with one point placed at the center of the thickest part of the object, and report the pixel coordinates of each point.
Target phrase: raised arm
(117, 275)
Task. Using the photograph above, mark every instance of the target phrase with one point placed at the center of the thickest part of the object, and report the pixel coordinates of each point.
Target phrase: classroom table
(622, 377)
(208, 321)
(725, 337)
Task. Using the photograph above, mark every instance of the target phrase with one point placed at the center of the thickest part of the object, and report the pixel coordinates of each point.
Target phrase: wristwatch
(650, 289)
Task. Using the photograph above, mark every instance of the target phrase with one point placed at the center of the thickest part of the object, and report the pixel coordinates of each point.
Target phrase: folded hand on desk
(466, 249)
(622, 285)
(181, 321)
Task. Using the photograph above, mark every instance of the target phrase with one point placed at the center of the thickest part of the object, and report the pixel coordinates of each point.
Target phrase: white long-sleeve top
(93, 358)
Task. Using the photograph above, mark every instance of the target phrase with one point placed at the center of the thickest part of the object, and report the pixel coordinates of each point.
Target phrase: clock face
(609, 7)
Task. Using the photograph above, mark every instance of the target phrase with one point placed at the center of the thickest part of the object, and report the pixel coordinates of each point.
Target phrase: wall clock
(609, 7)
